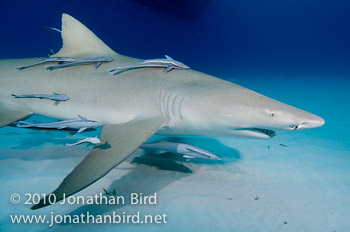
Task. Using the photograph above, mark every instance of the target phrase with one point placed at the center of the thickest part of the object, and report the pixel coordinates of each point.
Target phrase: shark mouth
(270, 133)
(257, 132)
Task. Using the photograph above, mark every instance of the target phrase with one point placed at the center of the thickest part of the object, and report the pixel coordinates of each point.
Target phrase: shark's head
(231, 110)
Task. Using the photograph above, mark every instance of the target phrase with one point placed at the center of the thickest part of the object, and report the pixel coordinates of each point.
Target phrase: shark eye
(271, 113)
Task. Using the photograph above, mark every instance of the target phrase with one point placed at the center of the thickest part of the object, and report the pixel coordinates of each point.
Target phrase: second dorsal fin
(79, 41)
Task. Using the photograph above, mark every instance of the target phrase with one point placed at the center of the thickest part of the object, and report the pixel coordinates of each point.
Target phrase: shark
(138, 104)
(188, 151)
(54, 97)
(77, 124)
(168, 63)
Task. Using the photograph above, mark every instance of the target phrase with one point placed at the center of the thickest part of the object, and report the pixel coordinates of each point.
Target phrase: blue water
(294, 51)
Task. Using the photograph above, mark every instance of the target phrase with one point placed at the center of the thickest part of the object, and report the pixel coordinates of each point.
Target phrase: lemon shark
(136, 104)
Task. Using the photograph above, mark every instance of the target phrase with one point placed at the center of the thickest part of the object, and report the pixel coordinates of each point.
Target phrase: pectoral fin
(159, 152)
(98, 64)
(123, 139)
(82, 129)
(57, 102)
(169, 68)
(188, 157)
(11, 115)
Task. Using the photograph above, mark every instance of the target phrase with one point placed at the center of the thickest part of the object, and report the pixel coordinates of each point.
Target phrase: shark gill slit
(173, 104)
(179, 109)
(171, 107)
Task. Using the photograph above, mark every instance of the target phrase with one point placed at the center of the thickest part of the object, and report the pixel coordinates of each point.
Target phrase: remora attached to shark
(137, 104)
(168, 63)
(77, 62)
(55, 97)
(48, 60)
(77, 124)
(64, 62)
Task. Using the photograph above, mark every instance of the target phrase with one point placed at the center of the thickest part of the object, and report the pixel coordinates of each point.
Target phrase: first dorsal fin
(82, 118)
(79, 41)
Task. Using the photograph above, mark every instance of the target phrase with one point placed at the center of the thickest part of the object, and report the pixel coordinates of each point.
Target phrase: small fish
(113, 193)
(55, 97)
(48, 60)
(168, 63)
(283, 145)
(93, 140)
(80, 125)
(50, 53)
(186, 150)
(98, 60)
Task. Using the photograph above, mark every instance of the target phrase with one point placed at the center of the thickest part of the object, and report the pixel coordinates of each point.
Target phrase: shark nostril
(311, 124)
(272, 114)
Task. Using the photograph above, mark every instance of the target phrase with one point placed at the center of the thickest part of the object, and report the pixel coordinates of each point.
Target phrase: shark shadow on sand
(152, 173)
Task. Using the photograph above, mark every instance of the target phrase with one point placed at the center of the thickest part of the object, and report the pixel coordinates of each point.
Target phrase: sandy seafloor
(296, 181)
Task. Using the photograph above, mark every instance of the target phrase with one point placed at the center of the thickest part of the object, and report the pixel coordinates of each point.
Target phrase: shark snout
(314, 122)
